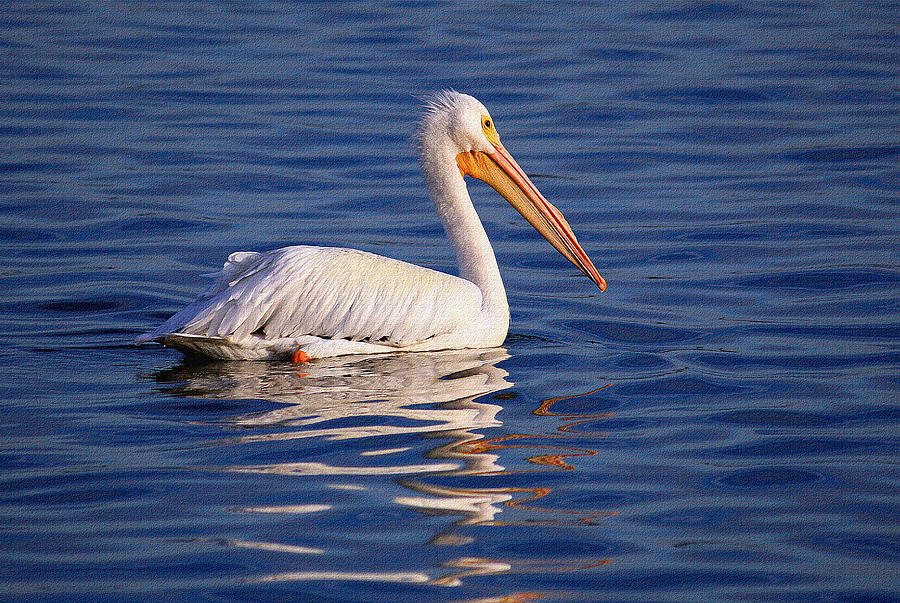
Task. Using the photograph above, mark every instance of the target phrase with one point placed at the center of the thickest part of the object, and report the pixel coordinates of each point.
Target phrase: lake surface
(720, 424)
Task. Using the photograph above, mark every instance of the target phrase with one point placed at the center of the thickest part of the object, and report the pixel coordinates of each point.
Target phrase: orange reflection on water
(537, 493)
(482, 446)
(544, 410)
(478, 505)
(550, 460)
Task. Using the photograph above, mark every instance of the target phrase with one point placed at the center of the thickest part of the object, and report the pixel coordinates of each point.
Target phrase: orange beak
(503, 174)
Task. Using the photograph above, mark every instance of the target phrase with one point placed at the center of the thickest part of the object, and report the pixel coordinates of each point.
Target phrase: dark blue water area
(720, 424)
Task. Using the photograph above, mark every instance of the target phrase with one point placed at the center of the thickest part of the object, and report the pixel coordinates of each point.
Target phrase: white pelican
(307, 302)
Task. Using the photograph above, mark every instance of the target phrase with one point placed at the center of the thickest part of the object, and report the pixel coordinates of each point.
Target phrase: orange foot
(299, 357)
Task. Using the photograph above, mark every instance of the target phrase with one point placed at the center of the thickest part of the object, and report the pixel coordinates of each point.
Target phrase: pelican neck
(474, 254)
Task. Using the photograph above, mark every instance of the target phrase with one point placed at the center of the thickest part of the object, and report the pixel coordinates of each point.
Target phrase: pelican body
(312, 302)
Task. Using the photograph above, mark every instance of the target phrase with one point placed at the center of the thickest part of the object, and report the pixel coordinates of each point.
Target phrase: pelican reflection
(436, 395)
(389, 407)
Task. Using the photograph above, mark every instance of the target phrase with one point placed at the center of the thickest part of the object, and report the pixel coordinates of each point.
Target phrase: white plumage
(329, 301)
(268, 303)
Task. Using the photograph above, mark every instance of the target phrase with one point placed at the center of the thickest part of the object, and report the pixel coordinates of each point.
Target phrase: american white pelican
(308, 302)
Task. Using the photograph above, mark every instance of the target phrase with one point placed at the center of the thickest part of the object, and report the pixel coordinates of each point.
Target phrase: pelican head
(458, 125)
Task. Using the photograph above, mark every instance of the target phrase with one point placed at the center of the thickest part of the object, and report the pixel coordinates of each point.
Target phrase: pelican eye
(487, 127)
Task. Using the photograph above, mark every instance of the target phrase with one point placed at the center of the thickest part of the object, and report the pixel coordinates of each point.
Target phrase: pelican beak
(503, 174)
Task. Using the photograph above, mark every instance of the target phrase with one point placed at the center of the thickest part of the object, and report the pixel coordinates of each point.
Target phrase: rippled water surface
(720, 424)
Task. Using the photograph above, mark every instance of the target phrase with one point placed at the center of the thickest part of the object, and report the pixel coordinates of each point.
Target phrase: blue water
(720, 424)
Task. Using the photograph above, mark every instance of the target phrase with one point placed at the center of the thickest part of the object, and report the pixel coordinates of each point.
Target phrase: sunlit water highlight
(720, 424)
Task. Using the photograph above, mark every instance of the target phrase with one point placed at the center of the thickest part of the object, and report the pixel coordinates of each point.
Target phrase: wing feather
(328, 292)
